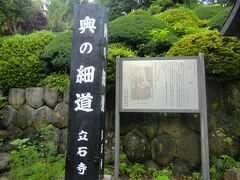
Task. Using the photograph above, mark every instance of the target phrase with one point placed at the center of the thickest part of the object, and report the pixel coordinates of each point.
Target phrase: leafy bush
(115, 50)
(57, 54)
(133, 30)
(218, 20)
(164, 174)
(207, 11)
(60, 82)
(222, 54)
(219, 165)
(181, 15)
(159, 43)
(138, 12)
(154, 9)
(19, 60)
(36, 160)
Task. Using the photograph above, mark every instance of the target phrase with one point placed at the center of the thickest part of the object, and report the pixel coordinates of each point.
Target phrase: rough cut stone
(61, 115)
(172, 125)
(229, 119)
(109, 146)
(56, 135)
(136, 146)
(4, 161)
(24, 117)
(9, 115)
(188, 149)
(14, 132)
(51, 97)
(181, 168)
(16, 97)
(34, 97)
(163, 149)
(63, 142)
(147, 123)
(221, 143)
(29, 132)
(233, 95)
(232, 174)
(66, 96)
(151, 164)
(43, 115)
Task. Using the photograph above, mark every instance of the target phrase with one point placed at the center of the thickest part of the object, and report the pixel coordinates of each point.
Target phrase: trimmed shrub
(181, 15)
(60, 82)
(154, 9)
(207, 11)
(115, 50)
(218, 20)
(133, 30)
(57, 54)
(222, 54)
(138, 12)
(19, 59)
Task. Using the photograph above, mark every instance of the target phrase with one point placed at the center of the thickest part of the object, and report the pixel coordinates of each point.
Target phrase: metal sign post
(85, 146)
(169, 85)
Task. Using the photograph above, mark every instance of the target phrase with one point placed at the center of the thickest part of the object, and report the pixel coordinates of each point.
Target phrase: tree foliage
(222, 54)
(57, 54)
(133, 30)
(18, 16)
(19, 60)
(207, 11)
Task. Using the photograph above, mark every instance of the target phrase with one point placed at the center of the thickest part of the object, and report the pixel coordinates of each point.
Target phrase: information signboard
(159, 85)
(85, 144)
(163, 84)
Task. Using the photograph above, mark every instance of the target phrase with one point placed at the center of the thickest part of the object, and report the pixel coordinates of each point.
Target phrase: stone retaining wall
(151, 138)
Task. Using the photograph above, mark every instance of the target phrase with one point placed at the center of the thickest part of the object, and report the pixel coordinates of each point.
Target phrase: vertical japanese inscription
(85, 146)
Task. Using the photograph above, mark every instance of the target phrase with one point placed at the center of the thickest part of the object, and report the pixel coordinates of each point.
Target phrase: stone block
(16, 97)
(61, 115)
(34, 97)
(43, 115)
(9, 115)
(25, 117)
(51, 97)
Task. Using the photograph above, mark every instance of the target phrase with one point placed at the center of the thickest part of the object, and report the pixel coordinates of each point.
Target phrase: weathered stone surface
(215, 95)
(229, 119)
(61, 115)
(66, 96)
(232, 174)
(181, 168)
(163, 149)
(34, 97)
(51, 97)
(9, 114)
(24, 117)
(136, 146)
(4, 161)
(63, 141)
(14, 131)
(147, 123)
(56, 135)
(233, 95)
(192, 122)
(151, 164)
(172, 125)
(16, 97)
(221, 143)
(109, 146)
(43, 115)
(29, 132)
(127, 122)
(188, 149)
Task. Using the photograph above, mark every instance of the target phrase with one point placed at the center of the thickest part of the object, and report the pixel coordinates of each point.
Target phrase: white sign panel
(160, 84)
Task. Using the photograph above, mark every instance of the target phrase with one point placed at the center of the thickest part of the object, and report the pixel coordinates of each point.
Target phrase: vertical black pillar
(85, 146)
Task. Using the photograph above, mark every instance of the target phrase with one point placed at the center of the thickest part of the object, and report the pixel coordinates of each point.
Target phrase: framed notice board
(162, 84)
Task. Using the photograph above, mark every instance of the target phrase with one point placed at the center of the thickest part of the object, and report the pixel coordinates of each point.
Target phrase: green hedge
(133, 30)
(57, 54)
(222, 54)
(207, 11)
(19, 59)
(180, 15)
